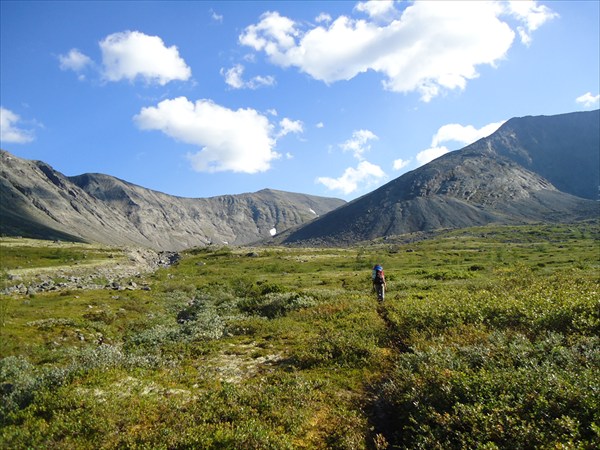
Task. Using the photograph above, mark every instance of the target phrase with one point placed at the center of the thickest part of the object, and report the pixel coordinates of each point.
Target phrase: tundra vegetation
(488, 338)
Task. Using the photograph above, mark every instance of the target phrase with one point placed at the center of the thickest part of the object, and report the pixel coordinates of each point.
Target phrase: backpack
(378, 275)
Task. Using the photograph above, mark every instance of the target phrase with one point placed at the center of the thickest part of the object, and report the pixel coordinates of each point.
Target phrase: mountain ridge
(532, 169)
(485, 182)
(38, 201)
(545, 145)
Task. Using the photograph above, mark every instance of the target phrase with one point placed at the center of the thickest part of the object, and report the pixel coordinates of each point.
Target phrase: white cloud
(259, 81)
(454, 132)
(401, 163)
(131, 54)
(425, 156)
(233, 77)
(323, 18)
(364, 175)
(290, 126)
(320, 125)
(531, 14)
(230, 140)
(358, 143)
(216, 17)
(588, 100)
(432, 47)
(74, 60)
(9, 128)
(272, 34)
(463, 134)
(378, 9)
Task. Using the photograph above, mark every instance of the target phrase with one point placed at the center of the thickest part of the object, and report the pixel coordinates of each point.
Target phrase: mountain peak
(532, 169)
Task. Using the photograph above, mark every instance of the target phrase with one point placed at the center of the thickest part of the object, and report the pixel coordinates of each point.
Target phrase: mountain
(564, 149)
(38, 201)
(532, 169)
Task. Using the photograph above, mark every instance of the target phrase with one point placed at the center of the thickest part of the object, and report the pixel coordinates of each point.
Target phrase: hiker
(378, 278)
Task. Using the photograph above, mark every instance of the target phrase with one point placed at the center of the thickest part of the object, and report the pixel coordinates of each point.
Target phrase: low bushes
(503, 392)
(488, 338)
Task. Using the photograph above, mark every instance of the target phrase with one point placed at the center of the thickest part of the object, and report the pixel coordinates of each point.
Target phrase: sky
(329, 98)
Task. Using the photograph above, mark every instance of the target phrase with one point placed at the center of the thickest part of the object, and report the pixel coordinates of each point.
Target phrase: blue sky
(198, 99)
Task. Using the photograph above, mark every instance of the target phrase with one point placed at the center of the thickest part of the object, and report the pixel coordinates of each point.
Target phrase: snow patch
(313, 211)
(273, 231)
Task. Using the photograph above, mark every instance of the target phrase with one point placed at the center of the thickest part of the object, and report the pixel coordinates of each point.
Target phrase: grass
(23, 253)
(488, 338)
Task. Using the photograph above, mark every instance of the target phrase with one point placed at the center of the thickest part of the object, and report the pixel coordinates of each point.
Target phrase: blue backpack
(378, 274)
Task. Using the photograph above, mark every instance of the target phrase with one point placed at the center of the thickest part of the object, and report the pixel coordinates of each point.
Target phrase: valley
(533, 169)
(488, 336)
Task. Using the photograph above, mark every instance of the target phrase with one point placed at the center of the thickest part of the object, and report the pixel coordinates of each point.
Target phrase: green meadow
(489, 338)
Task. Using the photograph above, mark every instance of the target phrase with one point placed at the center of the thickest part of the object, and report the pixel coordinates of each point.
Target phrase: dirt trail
(382, 424)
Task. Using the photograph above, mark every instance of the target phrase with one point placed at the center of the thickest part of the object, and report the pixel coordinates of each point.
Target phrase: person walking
(378, 278)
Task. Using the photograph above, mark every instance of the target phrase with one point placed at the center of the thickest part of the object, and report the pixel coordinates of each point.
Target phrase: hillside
(38, 201)
(509, 178)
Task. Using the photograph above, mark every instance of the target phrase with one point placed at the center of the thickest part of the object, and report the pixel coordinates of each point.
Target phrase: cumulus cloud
(130, 54)
(427, 155)
(10, 131)
(588, 100)
(233, 77)
(454, 132)
(430, 48)
(463, 134)
(531, 15)
(364, 175)
(400, 163)
(74, 60)
(378, 9)
(323, 18)
(358, 144)
(230, 140)
(288, 126)
(274, 34)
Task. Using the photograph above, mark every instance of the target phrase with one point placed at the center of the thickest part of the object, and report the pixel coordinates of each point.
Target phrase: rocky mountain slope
(509, 177)
(564, 149)
(38, 201)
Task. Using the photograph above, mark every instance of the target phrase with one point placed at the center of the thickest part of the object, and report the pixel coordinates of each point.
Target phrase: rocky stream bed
(124, 273)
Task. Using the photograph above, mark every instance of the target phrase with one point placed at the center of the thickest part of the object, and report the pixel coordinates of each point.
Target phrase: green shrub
(505, 391)
(19, 381)
(275, 304)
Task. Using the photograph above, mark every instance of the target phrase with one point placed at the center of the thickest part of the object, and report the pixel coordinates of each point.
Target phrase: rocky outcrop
(126, 272)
